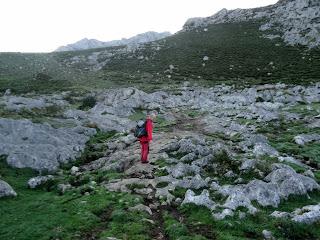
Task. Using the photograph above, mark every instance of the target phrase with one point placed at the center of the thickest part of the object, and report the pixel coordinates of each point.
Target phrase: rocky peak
(295, 21)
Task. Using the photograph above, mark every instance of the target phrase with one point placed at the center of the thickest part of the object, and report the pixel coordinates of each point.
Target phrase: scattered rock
(223, 214)
(7, 92)
(267, 235)
(38, 181)
(62, 188)
(141, 208)
(305, 138)
(308, 214)
(201, 200)
(6, 190)
(74, 170)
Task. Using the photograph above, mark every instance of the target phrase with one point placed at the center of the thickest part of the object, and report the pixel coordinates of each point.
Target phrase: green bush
(88, 102)
(43, 77)
(297, 231)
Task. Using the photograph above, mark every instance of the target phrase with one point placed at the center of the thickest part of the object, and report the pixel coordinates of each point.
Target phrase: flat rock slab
(40, 146)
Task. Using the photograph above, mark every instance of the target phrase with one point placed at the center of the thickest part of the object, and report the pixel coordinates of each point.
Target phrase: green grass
(39, 214)
(176, 230)
(162, 125)
(138, 115)
(35, 115)
(179, 192)
(305, 110)
(127, 225)
(193, 113)
(161, 172)
(281, 136)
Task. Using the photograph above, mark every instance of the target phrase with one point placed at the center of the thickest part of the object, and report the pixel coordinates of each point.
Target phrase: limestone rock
(74, 170)
(226, 212)
(37, 181)
(308, 214)
(305, 138)
(195, 182)
(6, 190)
(267, 235)
(201, 200)
(182, 169)
(141, 208)
(289, 182)
(40, 146)
(62, 188)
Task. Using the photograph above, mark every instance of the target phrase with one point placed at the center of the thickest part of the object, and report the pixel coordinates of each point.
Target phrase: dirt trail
(138, 173)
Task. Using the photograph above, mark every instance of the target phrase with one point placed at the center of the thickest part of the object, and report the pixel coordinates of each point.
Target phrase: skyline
(45, 25)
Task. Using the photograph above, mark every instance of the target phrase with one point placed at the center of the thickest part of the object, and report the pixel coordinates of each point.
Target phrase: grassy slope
(38, 214)
(233, 45)
(237, 54)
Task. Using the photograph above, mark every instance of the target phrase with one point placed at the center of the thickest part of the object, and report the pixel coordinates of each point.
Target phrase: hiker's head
(152, 115)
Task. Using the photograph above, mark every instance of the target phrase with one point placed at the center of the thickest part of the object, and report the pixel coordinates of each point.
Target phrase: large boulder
(289, 182)
(40, 146)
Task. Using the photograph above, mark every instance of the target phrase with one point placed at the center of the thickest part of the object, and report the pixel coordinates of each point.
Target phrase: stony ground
(225, 163)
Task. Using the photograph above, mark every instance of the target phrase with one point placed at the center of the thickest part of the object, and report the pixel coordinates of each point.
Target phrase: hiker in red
(145, 140)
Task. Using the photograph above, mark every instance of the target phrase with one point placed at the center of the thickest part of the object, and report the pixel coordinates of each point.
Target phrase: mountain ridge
(86, 43)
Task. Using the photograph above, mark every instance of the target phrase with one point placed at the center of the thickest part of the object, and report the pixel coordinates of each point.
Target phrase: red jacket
(149, 128)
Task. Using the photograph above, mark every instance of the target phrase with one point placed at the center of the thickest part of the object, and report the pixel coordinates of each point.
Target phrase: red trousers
(144, 151)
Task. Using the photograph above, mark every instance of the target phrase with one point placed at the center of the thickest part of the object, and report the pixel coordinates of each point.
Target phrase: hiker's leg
(144, 151)
(147, 150)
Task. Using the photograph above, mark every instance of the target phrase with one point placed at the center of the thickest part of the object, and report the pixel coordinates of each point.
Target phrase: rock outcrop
(40, 146)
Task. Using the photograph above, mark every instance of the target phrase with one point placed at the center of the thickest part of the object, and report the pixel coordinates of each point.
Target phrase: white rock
(267, 235)
(201, 200)
(6, 190)
(223, 214)
(74, 170)
(37, 181)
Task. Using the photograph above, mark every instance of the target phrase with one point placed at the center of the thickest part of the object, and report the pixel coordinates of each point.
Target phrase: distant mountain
(93, 43)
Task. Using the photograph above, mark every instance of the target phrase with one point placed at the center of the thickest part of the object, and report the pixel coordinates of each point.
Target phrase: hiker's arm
(149, 129)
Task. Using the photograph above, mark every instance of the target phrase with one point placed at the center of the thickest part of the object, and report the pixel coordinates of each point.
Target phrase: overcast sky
(44, 25)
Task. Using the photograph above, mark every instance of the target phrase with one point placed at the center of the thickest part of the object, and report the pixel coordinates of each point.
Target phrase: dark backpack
(140, 129)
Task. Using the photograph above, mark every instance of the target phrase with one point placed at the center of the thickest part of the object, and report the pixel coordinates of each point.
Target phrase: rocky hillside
(133, 41)
(226, 163)
(242, 47)
(294, 21)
